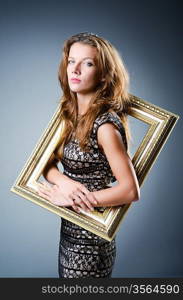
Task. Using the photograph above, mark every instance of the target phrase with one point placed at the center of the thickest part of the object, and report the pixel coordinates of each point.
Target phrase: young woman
(94, 151)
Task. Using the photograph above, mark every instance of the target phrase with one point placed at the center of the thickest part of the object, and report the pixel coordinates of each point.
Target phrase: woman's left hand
(55, 196)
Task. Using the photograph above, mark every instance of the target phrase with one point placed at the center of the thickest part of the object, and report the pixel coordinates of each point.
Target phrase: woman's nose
(76, 69)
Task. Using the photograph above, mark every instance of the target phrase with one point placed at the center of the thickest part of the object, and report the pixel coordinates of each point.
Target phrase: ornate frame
(104, 224)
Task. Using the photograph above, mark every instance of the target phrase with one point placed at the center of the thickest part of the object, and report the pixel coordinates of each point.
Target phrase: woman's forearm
(116, 196)
(113, 196)
(53, 175)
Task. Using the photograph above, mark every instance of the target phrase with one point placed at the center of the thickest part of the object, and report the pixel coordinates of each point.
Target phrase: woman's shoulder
(109, 116)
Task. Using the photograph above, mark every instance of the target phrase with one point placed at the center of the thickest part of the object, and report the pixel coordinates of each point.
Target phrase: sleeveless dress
(81, 252)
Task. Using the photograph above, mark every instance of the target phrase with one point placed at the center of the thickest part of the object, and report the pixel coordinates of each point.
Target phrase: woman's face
(82, 71)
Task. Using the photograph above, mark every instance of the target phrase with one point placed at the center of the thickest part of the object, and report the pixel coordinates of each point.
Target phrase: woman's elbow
(132, 194)
(135, 194)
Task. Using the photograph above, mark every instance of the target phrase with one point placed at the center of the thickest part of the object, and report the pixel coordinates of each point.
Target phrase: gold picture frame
(105, 224)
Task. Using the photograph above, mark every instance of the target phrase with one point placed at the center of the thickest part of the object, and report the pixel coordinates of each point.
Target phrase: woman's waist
(91, 183)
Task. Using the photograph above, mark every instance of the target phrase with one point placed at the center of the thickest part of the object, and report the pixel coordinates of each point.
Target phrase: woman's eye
(89, 64)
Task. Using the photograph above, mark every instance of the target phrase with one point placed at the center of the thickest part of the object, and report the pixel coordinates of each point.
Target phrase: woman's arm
(65, 189)
(52, 174)
(127, 189)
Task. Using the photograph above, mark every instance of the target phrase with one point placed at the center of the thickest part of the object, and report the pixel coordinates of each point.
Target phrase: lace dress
(81, 252)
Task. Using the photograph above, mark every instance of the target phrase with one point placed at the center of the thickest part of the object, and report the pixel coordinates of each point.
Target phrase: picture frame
(106, 224)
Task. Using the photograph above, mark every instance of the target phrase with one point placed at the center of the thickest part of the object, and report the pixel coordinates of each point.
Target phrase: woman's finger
(47, 186)
(44, 191)
(91, 198)
(79, 202)
(88, 194)
(81, 188)
(55, 187)
(44, 195)
(85, 200)
(76, 208)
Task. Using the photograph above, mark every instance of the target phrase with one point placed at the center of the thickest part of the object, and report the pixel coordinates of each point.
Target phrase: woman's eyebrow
(83, 58)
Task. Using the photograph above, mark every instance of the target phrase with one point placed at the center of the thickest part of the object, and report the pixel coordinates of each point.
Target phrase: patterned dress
(81, 252)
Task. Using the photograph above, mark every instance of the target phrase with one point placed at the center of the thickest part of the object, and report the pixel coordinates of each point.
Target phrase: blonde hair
(111, 94)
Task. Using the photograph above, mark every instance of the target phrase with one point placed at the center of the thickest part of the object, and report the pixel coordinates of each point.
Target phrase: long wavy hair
(109, 95)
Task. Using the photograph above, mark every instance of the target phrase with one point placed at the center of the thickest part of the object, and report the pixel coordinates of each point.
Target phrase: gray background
(148, 36)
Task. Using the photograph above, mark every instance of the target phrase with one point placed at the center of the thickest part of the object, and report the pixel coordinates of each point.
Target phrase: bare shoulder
(109, 137)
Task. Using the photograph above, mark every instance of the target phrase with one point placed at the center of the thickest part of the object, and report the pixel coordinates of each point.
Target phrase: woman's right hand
(68, 192)
(69, 188)
(74, 190)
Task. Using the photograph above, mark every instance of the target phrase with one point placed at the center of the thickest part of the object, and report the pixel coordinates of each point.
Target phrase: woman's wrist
(60, 179)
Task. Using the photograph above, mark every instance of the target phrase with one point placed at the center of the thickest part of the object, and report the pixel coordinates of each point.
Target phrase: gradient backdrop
(148, 36)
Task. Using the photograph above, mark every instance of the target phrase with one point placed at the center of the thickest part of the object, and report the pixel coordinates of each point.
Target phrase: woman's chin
(79, 91)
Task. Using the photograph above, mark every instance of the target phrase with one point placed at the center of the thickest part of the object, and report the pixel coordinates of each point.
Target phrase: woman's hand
(68, 193)
(52, 194)
(74, 190)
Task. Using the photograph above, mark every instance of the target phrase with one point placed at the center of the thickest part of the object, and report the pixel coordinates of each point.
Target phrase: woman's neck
(83, 103)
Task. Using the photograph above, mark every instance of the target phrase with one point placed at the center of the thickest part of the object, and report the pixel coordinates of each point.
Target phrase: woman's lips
(75, 80)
